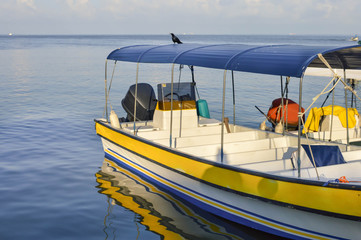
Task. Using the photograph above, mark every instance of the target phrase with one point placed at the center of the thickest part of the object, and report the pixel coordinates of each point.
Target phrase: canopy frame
(281, 60)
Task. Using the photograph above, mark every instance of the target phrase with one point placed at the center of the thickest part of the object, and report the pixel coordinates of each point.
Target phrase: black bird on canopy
(175, 39)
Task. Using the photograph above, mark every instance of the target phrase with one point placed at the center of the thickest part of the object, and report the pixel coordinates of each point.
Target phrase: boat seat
(202, 140)
(202, 122)
(147, 129)
(239, 146)
(271, 166)
(141, 129)
(352, 155)
(238, 159)
(349, 170)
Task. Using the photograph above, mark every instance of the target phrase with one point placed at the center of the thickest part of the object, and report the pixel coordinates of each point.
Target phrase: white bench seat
(237, 159)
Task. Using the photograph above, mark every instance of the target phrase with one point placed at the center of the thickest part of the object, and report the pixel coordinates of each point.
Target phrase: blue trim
(210, 208)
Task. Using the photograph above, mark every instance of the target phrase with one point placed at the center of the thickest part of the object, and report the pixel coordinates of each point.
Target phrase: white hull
(255, 213)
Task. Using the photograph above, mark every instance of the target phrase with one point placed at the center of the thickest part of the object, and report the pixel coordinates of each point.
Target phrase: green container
(202, 108)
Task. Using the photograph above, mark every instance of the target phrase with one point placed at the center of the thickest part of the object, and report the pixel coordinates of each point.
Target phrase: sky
(180, 16)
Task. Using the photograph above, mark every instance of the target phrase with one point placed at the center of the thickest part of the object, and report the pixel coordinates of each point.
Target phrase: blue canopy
(283, 60)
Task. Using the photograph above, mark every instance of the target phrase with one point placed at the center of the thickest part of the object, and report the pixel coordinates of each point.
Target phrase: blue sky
(180, 16)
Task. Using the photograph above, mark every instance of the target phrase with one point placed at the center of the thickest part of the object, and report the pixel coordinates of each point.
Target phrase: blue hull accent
(212, 209)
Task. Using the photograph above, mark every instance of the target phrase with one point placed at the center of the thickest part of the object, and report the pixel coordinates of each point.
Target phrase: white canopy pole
(223, 105)
(171, 107)
(300, 115)
(282, 117)
(234, 103)
(106, 90)
(333, 106)
(346, 105)
(135, 98)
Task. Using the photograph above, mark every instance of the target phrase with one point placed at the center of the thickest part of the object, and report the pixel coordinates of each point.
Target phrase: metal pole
(353, 88)
(223, 104)
(234, 103)
(347, 134)
(181, 102)
(171, 107)
(299, 128)
(286, 89)
(135, 98)
(333, 105)
(282, 119)
(195, 86)
(106, 91)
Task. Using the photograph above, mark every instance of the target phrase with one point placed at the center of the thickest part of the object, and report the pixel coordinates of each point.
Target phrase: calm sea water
(50, 157)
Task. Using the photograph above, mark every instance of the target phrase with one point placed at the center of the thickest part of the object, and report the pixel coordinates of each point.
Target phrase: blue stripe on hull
(212, 209)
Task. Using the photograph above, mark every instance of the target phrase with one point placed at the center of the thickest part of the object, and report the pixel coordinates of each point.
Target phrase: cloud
(81, 7)
(198, 16)
(27, 3)
(77, 4)
(230, 16)
(221, 8)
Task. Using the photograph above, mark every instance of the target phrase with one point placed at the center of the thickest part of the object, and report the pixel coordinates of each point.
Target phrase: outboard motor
(146, 102)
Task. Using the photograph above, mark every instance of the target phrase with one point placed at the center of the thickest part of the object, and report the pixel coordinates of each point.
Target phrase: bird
(175, 39)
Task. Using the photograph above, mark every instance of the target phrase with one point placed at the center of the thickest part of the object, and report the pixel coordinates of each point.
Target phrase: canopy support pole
(286, 89)
(193, 81)
(223, 105)
(234, 103)
(299, 128)
(135, 99)
(171, 107)
(353, 99)
(347, 133)
(181, 102)
(333, 106)
(282, 119)
(106, 90)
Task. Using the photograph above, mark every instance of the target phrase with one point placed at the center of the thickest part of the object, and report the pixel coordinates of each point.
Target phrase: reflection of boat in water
(163, 214)
(278, 183)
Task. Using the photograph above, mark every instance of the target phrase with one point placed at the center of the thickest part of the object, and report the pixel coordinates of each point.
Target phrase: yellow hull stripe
(340, 201)
(220, 206)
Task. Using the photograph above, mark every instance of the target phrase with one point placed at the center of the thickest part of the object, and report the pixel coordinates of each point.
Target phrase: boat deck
(249, 148)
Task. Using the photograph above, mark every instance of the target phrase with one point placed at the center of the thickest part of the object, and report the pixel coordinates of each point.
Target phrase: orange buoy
(343, 180)
(275, 112)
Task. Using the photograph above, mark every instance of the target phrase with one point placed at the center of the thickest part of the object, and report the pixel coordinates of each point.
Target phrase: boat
(354, 38)
(283, 184)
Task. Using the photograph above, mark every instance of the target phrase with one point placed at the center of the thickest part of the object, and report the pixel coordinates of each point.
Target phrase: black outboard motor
(146, 102)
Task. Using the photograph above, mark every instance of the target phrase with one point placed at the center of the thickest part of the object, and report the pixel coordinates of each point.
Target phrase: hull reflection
(162, 213)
